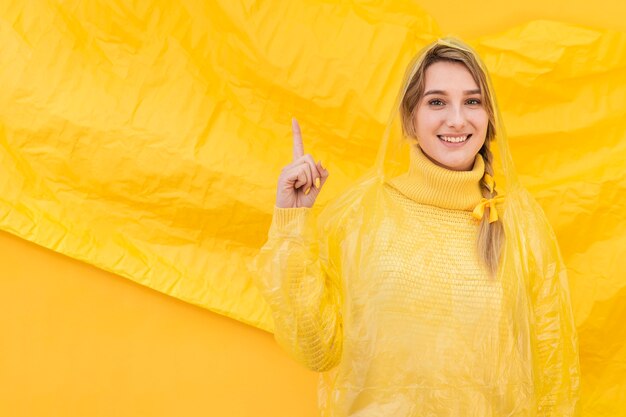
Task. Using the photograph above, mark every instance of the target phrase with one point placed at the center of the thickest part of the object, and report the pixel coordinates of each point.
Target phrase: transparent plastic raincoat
(467, 345)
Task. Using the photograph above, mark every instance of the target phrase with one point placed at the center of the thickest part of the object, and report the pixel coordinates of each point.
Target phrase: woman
(424, 290)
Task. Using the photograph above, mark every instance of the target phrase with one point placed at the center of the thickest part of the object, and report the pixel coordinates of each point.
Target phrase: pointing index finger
(298, 146)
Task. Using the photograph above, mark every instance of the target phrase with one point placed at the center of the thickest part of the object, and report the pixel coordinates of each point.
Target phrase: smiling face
(450, 120)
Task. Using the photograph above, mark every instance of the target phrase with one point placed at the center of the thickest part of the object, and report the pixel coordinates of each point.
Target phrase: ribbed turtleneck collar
(428, 183)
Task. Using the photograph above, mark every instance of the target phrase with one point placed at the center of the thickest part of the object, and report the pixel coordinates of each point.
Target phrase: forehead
(448, 76)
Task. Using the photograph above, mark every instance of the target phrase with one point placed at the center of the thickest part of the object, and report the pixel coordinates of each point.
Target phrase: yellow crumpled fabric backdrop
(146, 138)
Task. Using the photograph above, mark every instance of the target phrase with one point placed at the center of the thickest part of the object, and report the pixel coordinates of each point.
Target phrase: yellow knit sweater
(405, 322)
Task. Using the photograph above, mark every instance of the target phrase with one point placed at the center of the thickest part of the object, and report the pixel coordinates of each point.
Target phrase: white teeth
(454, 140)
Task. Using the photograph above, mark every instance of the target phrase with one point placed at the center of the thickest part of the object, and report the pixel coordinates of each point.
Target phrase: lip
(455, 145)
(454, 135)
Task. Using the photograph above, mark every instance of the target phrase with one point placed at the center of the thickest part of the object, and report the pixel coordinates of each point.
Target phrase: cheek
(425, 121)
(481, 120)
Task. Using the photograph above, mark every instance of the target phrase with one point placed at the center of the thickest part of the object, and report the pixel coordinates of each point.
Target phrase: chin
(456, 161)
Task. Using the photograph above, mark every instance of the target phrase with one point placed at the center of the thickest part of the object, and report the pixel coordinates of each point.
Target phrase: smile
(454, 139)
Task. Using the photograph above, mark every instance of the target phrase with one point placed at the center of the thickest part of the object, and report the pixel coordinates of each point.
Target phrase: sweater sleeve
(556, 364)
(303, 289)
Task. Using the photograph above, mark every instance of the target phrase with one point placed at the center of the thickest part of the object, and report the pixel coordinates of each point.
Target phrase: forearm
(304, 296)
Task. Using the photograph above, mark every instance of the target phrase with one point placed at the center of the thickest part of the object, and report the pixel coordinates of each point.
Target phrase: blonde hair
(491, 235)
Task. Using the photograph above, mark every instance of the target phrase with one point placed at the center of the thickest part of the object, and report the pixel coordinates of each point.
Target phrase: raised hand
(301, 181)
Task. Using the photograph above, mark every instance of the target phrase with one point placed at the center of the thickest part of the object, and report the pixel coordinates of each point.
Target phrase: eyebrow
(476, 91)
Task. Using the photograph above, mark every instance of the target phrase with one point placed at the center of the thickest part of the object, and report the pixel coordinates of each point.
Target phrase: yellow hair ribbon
(479, 210)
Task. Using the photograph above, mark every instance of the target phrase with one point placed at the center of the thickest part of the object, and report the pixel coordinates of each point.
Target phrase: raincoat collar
(428, 183)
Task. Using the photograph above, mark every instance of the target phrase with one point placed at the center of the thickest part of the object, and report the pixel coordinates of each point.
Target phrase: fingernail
(317, 183)
(307, 191)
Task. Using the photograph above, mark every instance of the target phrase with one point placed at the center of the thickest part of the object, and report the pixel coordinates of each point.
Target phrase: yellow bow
(479, 210)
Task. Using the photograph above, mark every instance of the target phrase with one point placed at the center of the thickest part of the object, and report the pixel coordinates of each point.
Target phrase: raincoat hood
(394, 153)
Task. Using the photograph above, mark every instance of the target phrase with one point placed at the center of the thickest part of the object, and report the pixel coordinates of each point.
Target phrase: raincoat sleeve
(555, 342)
(301, 284)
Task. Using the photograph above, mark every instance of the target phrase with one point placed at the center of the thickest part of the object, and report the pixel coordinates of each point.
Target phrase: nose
(455, 117)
